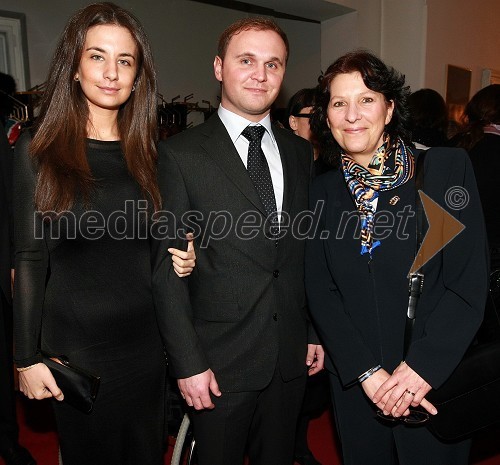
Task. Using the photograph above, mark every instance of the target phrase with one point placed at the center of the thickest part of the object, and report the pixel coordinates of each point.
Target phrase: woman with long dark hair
(85, 186)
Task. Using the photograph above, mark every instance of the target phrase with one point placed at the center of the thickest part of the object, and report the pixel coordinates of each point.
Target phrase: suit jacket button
(276, 273)
(275, 316)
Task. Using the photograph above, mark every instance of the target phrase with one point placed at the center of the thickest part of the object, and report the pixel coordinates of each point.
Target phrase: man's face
(251, 73)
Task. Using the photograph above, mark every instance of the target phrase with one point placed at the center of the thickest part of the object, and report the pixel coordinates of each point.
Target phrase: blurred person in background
(317, 396)
(428, 119)
(481, 138)
(300, 109)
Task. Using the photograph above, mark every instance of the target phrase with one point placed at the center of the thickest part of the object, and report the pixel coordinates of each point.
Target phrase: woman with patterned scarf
(357, 268)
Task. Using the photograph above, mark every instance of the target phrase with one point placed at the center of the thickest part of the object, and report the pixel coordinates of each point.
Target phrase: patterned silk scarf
(366, 183)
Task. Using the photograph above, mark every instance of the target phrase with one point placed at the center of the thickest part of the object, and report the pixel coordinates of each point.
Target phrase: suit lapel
(289, 163)
(221, 149)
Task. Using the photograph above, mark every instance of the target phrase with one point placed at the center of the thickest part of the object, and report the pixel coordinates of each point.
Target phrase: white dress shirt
(235, 125)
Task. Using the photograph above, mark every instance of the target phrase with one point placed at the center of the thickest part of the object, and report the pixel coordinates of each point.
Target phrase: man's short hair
(247, 24)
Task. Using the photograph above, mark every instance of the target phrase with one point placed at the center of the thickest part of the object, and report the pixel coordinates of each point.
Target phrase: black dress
(85, 290)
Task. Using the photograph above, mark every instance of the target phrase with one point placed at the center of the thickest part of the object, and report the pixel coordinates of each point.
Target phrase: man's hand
(404, 388)
(315, 358)
(196, 390)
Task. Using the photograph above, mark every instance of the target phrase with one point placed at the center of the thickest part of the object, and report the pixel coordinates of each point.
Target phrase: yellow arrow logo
(443, 228)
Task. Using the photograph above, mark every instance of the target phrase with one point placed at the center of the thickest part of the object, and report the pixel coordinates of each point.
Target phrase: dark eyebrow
(245, 54)
(276, 59)
(252, 55)
(98, 49)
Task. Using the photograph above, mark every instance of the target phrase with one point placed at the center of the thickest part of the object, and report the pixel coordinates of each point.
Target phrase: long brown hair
(59, 142)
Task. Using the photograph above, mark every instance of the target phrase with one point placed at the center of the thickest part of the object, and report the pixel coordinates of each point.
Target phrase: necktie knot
(254, 133)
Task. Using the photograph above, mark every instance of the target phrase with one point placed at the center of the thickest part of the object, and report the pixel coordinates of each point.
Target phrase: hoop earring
(133, 88)
(76, 78)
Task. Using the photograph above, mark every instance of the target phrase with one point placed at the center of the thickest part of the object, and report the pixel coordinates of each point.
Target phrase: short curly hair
(378, 77)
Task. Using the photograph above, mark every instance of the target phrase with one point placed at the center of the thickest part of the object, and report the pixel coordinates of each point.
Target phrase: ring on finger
(409, 392)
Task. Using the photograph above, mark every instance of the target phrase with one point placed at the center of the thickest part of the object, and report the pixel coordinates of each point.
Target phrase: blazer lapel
(221, 149)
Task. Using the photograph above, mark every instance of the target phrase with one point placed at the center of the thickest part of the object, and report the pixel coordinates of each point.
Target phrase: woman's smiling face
(357, 116)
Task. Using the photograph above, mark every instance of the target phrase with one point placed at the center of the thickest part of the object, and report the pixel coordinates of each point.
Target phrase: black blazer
(6, 236)
(359, 306)
(243, 309)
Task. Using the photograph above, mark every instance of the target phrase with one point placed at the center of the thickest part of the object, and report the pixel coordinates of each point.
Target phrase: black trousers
(8, 422)
(316, 400)
(259, 423)
(366, 440)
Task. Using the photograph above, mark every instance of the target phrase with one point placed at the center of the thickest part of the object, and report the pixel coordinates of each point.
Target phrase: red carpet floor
(37, 433)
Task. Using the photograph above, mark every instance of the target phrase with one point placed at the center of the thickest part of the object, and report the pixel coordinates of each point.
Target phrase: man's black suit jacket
(6, 244)
(243, 309)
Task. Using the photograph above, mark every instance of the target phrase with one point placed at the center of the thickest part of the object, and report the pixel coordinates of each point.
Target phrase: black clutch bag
(78, 385)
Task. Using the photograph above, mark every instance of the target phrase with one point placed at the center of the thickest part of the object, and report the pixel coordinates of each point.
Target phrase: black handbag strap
(416, 280)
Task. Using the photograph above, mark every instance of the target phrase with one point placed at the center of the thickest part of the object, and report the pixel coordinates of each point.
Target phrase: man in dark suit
(237, 331)
(10, 450)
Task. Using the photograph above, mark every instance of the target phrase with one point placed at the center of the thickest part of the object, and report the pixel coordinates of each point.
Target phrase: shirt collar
(235, 124)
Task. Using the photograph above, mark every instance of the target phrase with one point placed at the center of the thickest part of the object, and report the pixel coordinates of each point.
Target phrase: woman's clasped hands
(395, 394)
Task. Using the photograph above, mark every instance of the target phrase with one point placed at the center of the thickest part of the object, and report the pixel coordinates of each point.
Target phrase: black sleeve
(341, 340)
(31, 259)
(171, 293)
(453, 322)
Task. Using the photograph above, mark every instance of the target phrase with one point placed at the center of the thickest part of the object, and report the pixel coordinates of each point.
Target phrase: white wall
(421, 37)
(304, 64)
(462, 33)
(403, 41)
(368, 25)
(184, 37)
(392, 29)
(338, 36)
